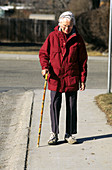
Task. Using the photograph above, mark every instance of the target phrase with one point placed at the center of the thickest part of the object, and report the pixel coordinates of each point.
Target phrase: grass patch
(20, 52)
(104, 102)
(94, 53)
(22, 48)
(19, 48)
(35, 52)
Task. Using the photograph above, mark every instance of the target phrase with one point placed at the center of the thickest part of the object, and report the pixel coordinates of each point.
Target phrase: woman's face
(66, 25)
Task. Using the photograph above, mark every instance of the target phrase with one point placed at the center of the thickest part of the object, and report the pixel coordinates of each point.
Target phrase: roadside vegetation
(104, 102)
(34, 49)
(19, 49)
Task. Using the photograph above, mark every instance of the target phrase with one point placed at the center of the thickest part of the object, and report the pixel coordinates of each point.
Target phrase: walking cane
(42, 108)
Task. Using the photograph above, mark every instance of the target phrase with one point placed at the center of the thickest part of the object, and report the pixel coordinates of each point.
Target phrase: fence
(25, 30)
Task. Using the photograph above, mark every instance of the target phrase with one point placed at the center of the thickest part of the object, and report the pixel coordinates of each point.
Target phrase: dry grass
(90, 53)
(19, 49)
(94, 53)
(104, 101)
(20, 52)
(16, 49)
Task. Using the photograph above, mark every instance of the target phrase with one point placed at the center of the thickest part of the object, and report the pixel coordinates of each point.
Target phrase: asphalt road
(27, 74)
(20, 74)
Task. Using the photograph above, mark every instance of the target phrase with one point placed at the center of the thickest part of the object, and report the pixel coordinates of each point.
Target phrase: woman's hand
(44, 72)
(82, 87)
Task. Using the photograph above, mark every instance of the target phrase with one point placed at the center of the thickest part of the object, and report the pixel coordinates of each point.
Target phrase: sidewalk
(94, 148)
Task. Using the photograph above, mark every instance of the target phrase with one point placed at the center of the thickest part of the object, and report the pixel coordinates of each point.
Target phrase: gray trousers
(71, 111)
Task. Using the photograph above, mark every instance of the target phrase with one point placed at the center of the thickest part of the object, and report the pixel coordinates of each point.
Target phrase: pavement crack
(29, 132)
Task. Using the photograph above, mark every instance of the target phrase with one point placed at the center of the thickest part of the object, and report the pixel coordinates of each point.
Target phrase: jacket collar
(58, 30)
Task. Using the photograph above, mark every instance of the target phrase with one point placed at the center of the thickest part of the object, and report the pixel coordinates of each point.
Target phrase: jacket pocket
(53, 81)
(72, 81)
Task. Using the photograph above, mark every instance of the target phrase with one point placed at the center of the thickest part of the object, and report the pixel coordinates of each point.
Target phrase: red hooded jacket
(66, 60)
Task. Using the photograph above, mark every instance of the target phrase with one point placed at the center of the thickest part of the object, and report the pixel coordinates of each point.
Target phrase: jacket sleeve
(82, 60)
(44, 54)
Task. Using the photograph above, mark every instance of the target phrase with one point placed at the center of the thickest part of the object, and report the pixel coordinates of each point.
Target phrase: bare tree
(79, 6)
(60, 6)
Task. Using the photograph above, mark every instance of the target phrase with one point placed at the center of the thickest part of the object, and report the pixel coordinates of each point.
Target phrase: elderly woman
(63, 56)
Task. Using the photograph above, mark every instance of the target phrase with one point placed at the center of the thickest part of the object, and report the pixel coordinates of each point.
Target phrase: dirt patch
(104, 102)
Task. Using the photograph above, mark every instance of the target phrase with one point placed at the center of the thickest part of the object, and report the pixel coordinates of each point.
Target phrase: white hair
(68, 15)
